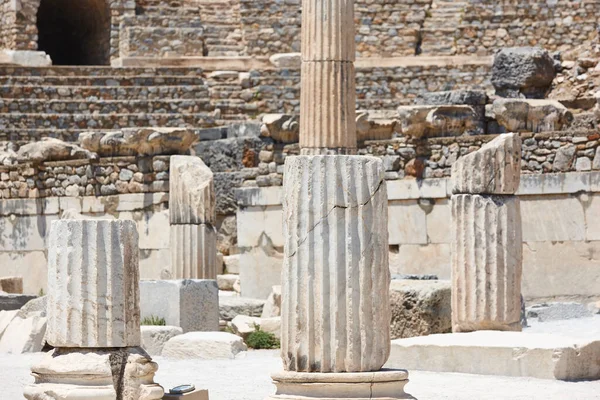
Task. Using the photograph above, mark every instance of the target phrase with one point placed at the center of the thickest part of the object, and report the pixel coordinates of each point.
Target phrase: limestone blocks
(487, 238)
(192, 210)
(526, 115)
(438, 120)
(138, 141)
(93, 284)
(50, 149)
(336, 257)
(493, 169)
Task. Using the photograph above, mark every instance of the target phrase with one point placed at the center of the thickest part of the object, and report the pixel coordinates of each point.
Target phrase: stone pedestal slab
(95, 374)
(533, 355)
(380, 385)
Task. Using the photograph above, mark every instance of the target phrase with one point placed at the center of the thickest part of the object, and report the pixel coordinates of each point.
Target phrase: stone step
(103, 93)
(169, 11)
(114, 81)
(105, 106)
(99, 71)
(103, 121)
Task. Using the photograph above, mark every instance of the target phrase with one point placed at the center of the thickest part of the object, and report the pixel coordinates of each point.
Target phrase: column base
(95, 374)
(380, 385)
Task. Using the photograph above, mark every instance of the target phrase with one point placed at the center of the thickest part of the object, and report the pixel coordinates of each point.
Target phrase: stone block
(434, 121)
(431, 259)
(25, 58)
(93, 298)
(420, 308)
(193, 251)
(527, 115)
(409, 189)
(14, 301)
(407, 223)
(243, 325)
(205, 346)
(155, 264)
(486, 263)
(260, 269)
(281, 128)
(439, 221)
(25, 233)
(230, 307)
(232, 264)
(24, 335)
(554, 311)
(12, 285)
(191, 192)
(553, 218)
(155, 337)
(255, 221)
(192, 305)
(228, 282)
(272, 307)
(520, 354)
(493, 169)
(522, 72)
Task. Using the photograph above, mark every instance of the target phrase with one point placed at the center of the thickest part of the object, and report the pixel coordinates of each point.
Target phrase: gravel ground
(248, 378)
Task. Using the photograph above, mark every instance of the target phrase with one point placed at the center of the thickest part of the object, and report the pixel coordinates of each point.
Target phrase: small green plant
(154, 320)
(41, 293)
(262, 340)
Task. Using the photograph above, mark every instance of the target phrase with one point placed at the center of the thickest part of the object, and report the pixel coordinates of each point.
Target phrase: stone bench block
(533, 355)
(155, 337)
(205, 346)
(192, 305)
(231, 307)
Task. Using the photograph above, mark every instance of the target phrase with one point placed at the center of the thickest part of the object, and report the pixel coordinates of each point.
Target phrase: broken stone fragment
(523, 72)
(434, 121)
(526, 115)
(281, 128)
(376, 125)
(139, 141)
(50, 149)
(192, 192)
(493, 169)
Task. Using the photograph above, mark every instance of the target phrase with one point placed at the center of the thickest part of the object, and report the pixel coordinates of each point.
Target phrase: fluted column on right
(487, 238)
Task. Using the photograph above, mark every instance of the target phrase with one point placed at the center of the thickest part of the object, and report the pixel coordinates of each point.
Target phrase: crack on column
(118, 362)
(320, 221)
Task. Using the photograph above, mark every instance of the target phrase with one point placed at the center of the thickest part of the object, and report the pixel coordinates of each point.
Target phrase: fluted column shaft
(328, 95)
(93, 293)
(335, 272)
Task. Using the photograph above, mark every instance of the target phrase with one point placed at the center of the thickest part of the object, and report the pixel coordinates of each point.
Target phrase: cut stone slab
(155, 337)
(379, 385)
(25, 58)
(232, 264)
(433, 121)
(493, 169)
(230, 307)
(24, 335)
(522, 354)
(190, 304)
(420, 308)
(14, 301)
(272, 307)
(228, 282)
(527, 115)
(559, 311)
(205, 345)
(198, 394)
(12, 285)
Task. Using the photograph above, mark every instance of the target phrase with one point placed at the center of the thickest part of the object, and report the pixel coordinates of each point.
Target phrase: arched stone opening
(75, 32)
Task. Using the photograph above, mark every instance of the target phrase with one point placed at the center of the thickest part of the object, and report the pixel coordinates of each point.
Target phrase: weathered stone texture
(193, 252)
(192, 192)
(527, 115)
(486, 263)
(523, 72)
(93, 276)
(493, 169)
(336, 256)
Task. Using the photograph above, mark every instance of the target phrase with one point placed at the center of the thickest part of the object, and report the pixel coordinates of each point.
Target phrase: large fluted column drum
(335, 286)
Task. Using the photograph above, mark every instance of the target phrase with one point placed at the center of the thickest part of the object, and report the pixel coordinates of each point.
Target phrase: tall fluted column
(487, 239)
(192, 211)
(335, 328)
(94, 316)
(328, 94)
